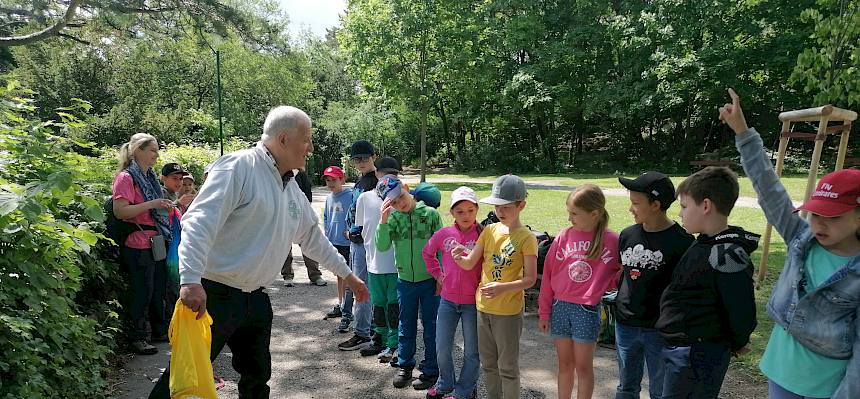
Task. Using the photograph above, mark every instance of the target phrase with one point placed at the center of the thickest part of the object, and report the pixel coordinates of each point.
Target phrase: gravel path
(306, 363)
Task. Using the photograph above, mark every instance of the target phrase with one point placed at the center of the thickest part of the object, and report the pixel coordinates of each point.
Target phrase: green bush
(58, 320)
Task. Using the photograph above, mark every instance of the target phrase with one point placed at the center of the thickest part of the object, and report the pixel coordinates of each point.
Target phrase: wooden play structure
(822, 116)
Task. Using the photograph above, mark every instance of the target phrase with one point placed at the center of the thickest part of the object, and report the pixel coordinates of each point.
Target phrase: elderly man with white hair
(235, 237)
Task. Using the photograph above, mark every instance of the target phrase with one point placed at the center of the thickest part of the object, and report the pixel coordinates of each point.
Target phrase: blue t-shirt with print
(334, 216)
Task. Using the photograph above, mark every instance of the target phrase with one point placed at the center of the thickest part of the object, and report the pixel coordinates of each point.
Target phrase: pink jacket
(459, 285)
(568, 276)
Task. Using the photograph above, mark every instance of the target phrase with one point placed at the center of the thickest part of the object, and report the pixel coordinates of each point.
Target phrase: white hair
(284, 119)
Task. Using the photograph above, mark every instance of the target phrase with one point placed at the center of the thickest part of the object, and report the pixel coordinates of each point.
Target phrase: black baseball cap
(361, 149)
(173, 168)
(657, 186)
(388, 165)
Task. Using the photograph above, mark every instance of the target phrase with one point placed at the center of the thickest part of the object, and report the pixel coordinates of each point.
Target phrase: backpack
(544, 241)
(116, 229)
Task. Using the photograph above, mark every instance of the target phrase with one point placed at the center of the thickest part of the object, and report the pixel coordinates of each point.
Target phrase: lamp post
(218, 93)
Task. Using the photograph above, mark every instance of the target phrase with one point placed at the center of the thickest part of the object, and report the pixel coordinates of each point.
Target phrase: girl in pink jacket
(458, 287)
(581, 265)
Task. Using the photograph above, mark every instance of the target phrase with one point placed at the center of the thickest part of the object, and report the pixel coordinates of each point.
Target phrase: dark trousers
(696, 371)
(242, 321)
(312, 266)
(144, 300)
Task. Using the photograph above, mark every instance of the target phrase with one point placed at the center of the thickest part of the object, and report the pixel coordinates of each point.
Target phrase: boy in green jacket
(407, 225)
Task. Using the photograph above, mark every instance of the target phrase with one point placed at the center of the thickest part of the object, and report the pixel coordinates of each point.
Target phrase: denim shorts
(580, 323)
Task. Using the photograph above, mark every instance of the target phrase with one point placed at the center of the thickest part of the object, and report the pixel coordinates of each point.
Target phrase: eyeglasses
(361, 159)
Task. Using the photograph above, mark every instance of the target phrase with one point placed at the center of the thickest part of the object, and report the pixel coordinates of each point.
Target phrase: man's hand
(733, 115)
(543, 326)
(194, 296)
(386, 211)
(359, 289)
(439, 285)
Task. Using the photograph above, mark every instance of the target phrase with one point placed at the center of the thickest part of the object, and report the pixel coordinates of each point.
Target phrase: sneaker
(288, 282)
(435, 393)
(319, 282)
(374, 348)
(356, 342)
(343, 327)
(386, 355)
(403, 377)
(143, 348)
(334, 313)
(424, 381)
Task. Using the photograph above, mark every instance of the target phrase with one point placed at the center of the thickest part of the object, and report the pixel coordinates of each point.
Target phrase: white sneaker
(320, 282)
(386, 355)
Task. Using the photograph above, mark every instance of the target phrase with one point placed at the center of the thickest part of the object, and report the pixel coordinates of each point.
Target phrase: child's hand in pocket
(543, 326)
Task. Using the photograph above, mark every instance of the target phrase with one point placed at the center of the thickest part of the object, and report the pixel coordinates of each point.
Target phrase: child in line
(458, 287)
(381, 273)
(334, 219)
(649, 251)
(582, 263)
(707, 312)
(814, 349)
(407, 225)
(509, 267)
(362, 157)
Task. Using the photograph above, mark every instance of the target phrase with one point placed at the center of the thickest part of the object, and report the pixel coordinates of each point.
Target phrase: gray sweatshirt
(243, 222)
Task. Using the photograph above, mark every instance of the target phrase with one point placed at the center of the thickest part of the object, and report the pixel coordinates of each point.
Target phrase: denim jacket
(824, 319)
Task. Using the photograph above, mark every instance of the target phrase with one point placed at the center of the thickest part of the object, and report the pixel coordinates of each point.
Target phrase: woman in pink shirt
(458, 287)
(137, 199)
(581, 265)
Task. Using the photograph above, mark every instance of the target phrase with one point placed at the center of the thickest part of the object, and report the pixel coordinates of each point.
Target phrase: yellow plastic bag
(191, 342)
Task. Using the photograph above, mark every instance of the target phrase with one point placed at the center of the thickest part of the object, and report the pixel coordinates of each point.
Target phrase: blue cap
(389, 187)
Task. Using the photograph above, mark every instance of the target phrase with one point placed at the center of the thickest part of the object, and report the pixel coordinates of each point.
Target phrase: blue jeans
(412, 298)
(363, 310)
(775, 391)
(695, 371)
(449, 315)
(638, 346)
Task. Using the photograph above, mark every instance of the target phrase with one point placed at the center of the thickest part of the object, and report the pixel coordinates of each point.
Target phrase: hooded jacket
(711, 297)
(409, 232)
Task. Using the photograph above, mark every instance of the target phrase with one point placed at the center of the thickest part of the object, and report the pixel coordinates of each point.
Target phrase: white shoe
(288, 282)
(320, 282)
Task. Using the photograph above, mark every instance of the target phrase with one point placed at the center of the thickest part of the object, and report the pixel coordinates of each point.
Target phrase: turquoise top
(790, 364)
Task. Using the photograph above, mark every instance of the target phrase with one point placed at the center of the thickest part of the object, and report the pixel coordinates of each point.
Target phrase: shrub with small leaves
(58, 318)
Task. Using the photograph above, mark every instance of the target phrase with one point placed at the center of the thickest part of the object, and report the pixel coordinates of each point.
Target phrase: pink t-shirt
(459, 285)
(569, 276)
(124, 187)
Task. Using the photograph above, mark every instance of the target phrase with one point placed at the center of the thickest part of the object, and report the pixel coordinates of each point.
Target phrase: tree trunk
(423, 144)
(461, 137)
(446, 129)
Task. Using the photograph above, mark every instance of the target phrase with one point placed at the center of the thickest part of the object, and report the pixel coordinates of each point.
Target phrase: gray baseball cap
(507, 189)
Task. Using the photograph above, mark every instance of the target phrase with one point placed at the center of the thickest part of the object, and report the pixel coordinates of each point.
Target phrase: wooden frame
(823, 115)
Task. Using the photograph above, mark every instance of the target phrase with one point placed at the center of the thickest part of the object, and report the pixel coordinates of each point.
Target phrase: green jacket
(409, 232)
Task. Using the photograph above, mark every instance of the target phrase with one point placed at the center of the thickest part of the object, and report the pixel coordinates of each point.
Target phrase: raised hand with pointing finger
(732, 115)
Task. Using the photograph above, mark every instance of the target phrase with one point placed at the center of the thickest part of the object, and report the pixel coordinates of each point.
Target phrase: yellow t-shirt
(504, 254)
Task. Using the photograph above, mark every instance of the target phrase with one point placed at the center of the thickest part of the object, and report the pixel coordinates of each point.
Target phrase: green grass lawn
(545, 211)
(795, 185)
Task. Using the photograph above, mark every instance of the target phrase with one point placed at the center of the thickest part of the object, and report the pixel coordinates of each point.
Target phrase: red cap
(334, 171)
(836, 193)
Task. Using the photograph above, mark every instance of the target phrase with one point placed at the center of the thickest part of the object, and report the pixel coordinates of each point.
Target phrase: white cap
(463, 193)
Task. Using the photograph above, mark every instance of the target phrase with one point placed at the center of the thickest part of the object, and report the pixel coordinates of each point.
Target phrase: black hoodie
(711, 297)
